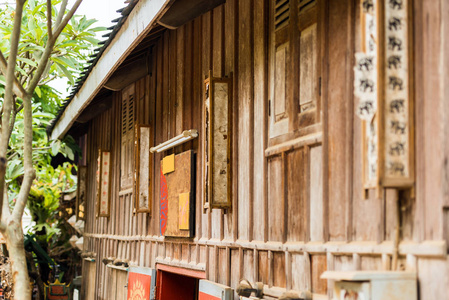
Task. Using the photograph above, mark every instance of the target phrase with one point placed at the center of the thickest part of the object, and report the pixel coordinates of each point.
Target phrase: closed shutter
(308, 78)
(279, 71)
(293, 72)
(127, 142)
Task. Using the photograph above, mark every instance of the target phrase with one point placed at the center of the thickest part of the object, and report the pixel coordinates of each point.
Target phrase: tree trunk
(14, 240)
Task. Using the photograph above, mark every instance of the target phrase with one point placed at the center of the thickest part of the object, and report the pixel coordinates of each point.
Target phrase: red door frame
(177, 283)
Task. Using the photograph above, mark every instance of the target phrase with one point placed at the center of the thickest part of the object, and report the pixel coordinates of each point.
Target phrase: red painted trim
(182, 271)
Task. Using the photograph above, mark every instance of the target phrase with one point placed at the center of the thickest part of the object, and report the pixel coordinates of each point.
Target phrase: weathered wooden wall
(297, 206)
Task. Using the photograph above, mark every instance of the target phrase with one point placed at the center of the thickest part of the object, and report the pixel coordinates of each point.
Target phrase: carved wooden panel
(382, 86)
(103, 183)
(398, 148)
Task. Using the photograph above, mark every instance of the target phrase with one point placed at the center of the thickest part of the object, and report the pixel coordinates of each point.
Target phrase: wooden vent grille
(128, 115)
(304, 5)
(281, 14)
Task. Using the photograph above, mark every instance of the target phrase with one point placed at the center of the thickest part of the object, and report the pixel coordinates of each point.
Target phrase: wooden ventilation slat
(281, 13)
(306, 4)
(124, 115)
(130, 113)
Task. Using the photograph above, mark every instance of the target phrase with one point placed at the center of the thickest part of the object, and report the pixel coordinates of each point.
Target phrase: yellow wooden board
(184, 211)
(168, 164)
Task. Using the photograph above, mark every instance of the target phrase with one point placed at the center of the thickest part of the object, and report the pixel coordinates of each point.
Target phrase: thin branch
(49, 47)
(47, 81)
(66, 19)
(30, 172)
(49, 29)
(6, 212)
(17, 88)
(61, 12)
(8, 103)
(3, 162)
(14, 155)
(19, 108)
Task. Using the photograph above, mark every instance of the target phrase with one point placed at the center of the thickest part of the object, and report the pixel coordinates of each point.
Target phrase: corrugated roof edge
(125, 11)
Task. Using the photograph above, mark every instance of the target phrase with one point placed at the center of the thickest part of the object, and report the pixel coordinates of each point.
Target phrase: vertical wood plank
(275, 199)
(206, 50)
(316, 194)
(181, 46)
(429, 155)
(319, 265)
(338, 115)
(230, 53)
(279, 278)
(260, 118)
(246, 119)
(297, 198)
(248, 263)
(217, 71)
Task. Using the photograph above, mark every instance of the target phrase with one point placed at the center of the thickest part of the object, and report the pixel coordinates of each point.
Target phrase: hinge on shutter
(269, 108)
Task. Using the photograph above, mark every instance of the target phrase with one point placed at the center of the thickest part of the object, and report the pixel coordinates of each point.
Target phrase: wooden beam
(128, 74)
(95, 109)
(140, 21)
(183, 11)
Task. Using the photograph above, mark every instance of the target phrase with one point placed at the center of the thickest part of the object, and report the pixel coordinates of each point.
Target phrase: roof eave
(140, 21)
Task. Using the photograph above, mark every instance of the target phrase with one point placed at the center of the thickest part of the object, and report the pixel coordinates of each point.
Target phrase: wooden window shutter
(308, 48)
(293, 71)
(127, 142)
(279, 62)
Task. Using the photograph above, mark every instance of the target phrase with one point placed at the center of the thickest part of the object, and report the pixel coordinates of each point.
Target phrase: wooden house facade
(270, 185)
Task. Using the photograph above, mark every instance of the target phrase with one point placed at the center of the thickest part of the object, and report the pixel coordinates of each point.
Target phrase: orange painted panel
(204, 296)
(139, 286)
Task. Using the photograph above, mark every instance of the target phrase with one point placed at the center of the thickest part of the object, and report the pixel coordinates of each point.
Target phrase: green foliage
(71, 50)
(68, 58)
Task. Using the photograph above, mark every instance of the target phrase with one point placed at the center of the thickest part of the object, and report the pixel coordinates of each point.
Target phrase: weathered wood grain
(296, 208)
(246, 118)
(318, 266)
(260, 120)
(338, 116)
(276, 199)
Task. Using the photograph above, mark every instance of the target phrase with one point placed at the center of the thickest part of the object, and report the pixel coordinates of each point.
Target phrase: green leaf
(70, 153)
(55, 148)
(28, 61)
(38, 92)
(65, 71)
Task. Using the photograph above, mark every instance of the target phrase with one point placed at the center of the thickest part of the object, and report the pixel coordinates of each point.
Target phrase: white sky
(102, 10)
